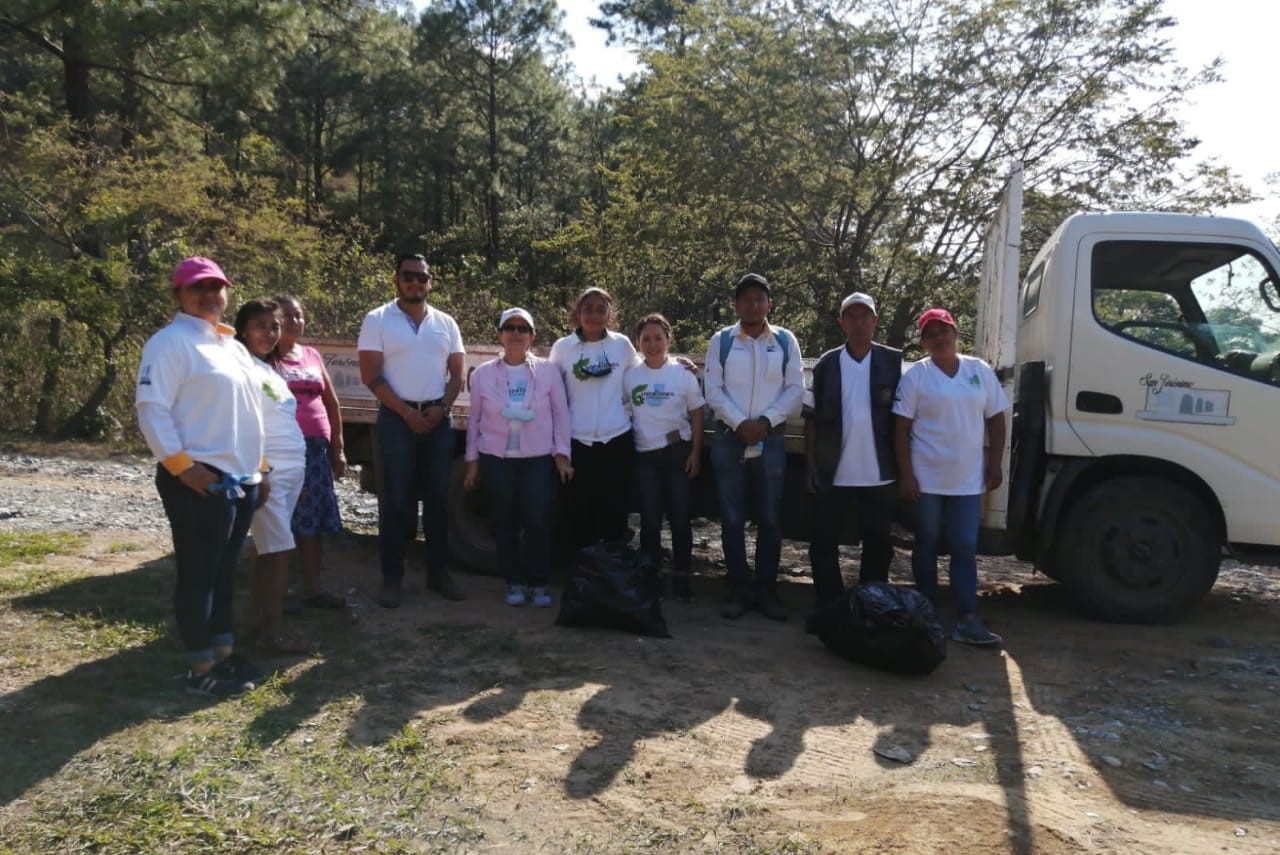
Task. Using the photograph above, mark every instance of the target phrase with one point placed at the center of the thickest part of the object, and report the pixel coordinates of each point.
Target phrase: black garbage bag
(612, 587)
(882, 626)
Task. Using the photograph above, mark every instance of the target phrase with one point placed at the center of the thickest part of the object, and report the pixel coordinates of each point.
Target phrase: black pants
(601, 490)
(874, 506)
(208, 532)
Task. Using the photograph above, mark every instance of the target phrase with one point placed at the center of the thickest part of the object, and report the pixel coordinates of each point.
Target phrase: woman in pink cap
(201, 413)
(949, 441)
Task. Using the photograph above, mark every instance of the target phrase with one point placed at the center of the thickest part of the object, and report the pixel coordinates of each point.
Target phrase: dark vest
(827, 414)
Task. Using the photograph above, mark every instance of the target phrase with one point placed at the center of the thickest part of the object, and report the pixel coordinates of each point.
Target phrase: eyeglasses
(523, 330)
(414, 276)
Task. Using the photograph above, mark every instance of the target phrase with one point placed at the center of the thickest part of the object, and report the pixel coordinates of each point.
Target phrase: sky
(1229, 117)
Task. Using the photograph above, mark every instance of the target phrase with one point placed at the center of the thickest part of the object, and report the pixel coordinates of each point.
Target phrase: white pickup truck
(1142, 351)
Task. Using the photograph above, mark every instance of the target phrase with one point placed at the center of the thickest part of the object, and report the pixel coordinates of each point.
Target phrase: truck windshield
(1212, 303)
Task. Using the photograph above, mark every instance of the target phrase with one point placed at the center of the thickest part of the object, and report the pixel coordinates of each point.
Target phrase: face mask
(518, 414)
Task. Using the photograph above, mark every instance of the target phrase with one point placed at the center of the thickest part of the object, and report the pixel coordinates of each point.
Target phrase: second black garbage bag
(882, 626)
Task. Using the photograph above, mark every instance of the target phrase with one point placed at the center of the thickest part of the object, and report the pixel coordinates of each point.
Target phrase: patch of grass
(121, 548)
(32, 547)
(21, 580)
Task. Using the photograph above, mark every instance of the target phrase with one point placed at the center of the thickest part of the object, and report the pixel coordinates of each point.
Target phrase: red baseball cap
(935, 315)
(197, 268)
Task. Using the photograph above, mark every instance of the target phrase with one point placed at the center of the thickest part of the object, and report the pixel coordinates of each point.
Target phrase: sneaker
(236, 667)
(971, 631)
(211, 685)
(446, 587)
(389, 594)
(542, 596)
(770, 606)
(734, 607)
(516, 595)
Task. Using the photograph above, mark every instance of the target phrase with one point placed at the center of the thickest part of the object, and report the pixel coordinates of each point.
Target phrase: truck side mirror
(1270, 293)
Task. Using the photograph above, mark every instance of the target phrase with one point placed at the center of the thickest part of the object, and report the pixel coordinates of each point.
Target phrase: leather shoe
(734, 607)
(446, 587)
(770, 606)
(389, 594)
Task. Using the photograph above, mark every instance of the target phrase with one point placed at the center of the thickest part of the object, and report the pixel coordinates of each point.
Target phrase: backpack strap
(726, 344)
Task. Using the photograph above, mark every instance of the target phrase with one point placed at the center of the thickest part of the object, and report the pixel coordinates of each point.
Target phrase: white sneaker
(542, 597)
(516, 595)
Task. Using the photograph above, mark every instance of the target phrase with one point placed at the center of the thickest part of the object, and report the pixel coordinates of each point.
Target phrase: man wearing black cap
(755, 382)
(849, 448)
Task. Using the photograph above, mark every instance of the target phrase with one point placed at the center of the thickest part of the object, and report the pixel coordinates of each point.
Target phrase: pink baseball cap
(197, 268)
(935, 315)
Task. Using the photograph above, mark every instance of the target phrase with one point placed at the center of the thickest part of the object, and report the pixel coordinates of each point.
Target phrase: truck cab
(1146, 386)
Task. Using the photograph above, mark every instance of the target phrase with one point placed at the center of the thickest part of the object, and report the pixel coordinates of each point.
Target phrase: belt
(424, 405)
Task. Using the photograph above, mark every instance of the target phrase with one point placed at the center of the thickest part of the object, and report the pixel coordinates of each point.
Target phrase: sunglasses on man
(415, 276)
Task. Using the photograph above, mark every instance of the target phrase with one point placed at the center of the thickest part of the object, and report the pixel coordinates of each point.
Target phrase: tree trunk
(49, 387)
(84, 424)
(494, 181)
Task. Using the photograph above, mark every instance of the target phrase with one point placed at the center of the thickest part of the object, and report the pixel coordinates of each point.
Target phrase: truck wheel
(1137, 550)
(469, 540)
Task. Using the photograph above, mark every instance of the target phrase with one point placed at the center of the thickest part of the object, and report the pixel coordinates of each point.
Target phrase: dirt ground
(1077, 737)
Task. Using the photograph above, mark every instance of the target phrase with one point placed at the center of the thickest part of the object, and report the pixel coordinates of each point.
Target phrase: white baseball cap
(858, 298)
(516, 312)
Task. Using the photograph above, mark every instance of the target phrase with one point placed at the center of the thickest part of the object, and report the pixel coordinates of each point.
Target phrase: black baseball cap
(752, 280)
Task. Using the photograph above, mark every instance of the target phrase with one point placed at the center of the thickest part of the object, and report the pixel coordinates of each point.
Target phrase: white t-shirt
(858, 466)
(948, 429)
(286, 449)
(196, 396)
(661, 400)
(597, 405)
(414, 360)
(518, 380)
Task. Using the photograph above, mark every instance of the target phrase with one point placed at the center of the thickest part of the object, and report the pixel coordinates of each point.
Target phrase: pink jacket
(487, 428)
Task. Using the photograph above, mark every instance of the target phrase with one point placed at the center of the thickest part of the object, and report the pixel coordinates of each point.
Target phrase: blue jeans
(755, 485)
(960, 516)
(665, 488)
(413, 467)
(208, 532)
(520, 491)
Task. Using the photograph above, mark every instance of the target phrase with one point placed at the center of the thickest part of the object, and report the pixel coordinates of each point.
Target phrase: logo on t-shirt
(656, 396)
(975, 380)
(144, 379)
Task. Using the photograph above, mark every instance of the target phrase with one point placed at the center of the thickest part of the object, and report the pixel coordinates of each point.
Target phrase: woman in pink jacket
(517, 443)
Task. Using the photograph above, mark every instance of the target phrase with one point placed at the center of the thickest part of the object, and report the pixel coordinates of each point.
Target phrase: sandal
(324, 600)
(286, 643)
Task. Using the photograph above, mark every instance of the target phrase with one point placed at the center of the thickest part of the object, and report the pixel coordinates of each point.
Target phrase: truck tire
(470, 543)
(1137, 550)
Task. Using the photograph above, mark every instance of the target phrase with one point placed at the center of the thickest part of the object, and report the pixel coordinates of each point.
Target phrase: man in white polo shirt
(411, 359)
(755, 382)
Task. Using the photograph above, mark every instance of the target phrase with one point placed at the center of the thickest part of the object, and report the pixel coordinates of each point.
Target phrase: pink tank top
(305, 376)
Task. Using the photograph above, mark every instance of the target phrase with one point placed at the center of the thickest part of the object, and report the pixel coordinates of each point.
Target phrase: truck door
(996, 333)
(1175, 355)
